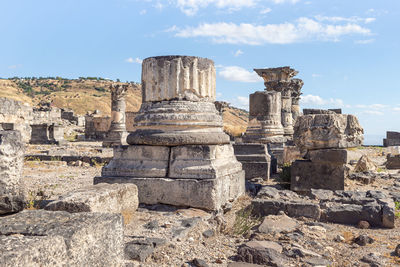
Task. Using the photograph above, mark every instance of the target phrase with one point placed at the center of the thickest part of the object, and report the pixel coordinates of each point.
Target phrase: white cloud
(238, 74)
(353, 19)
(367, 41)
(143, 11)
(315, 100)
(238, 53)
(191, 7)
(372, 106)
(285, 1)
(304, 29)
(134, 60)
(265, 10)
(396, 109)
(241, 102)
(315, 75)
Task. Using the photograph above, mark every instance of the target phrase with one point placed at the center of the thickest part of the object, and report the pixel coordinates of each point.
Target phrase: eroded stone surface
(210, 194)
(114, 198)
(45, 237)
(11, 163)
(255, 159)
(327, 131)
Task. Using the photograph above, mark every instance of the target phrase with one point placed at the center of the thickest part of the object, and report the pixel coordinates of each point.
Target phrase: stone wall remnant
(392, 139)
(256, 161)
(11, 163)
(178, 154)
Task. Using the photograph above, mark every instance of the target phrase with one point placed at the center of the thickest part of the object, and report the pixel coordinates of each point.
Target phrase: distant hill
(87, 94)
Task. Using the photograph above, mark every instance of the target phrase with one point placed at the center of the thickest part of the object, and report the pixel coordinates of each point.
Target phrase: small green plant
(397, 209)
(34, 199)
(244, 221)
(285, 175)
(380, 169)
(97, 164)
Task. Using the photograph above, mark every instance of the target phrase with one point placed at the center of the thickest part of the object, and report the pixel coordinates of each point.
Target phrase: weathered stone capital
(296, 85)
(118, 91)
(178, 78)
(276, 74)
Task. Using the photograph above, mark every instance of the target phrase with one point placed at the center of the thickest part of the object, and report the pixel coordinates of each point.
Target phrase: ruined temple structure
(117, 133)
(280, 80)
(178, 154)
(274, 111)
(323, 137)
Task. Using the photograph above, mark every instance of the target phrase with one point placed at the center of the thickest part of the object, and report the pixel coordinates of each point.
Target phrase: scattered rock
(397, 251)
(365, 164)
(243, 264)
(363, 240)
(373, 259)
(209, 233)
(316, 261)
(262, 252)
(363, 225)
(199, 263)
(339, 238)
(151, 225)
(277, 224)
(139, 249)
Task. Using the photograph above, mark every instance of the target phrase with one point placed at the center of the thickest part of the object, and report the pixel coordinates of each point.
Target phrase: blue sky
(347, 52)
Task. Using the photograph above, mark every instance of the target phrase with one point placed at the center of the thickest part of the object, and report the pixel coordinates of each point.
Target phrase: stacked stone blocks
(178, 154)
(324, 139)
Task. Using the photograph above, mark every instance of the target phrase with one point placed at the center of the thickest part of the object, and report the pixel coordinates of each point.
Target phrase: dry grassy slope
(78, 95)
(82, 96)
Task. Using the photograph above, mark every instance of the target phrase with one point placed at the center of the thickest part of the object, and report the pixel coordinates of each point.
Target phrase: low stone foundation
(256, 162)
(323, 169)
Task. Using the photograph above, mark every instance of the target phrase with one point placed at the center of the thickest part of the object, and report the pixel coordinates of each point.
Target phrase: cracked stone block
(58, 238)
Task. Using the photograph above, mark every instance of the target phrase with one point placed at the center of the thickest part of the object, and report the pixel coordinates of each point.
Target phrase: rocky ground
(162, 235)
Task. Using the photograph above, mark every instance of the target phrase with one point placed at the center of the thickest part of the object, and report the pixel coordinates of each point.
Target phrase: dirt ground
(47, 180)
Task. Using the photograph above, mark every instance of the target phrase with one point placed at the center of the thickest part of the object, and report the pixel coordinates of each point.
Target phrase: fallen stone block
(55, 238)
(352, 214)
(264, 207)
(113, 198)
(307, 175)
(141, 248)
(277, 224)
(393, 162)
(11, 163)
(262, 252)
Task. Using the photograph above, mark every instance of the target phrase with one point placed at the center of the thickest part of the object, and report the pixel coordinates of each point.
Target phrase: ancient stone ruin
(324, 139)
(117, 132)
(11, 163)
(392, 139)
(178, 154)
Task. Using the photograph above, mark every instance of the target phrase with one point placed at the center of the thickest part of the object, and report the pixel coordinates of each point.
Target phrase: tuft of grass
(34, 199)
(244, 221)
(97, 164)
(397, 209)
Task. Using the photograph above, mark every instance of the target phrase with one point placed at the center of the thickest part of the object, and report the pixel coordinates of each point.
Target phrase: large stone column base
(209, 194)
(255, 160)
(202, 176)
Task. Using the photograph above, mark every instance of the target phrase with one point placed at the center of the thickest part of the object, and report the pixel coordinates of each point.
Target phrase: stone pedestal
(392, 139)
(117, 133)
(265, 122)
(324, 137)
(47, 134)
(11, 163)
(178, 154)
(255, 160)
